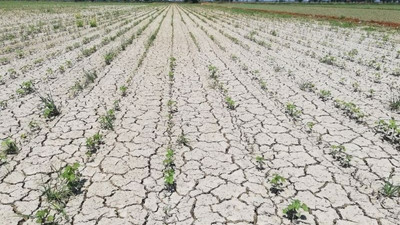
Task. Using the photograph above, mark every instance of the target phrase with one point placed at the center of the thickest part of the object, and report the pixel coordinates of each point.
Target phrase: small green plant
(25, 88)
(12, 73)
(370, 93)
(183, 140)
(50, 110)
(377, 78)
(356, 87)
(352, 53)
(274, 33)
(116, 105)
(4, 61)
(230, 103)
(213, 71)
(109, 56)
(328, 59)
(79, 23)
(169, 179)
(76, 88)
(89, 51)
(169, 158)
(106, 121)
(325, 95)
(19, 53)
(90, 76)
(123, 90)
(33, 126)
(93, 22)
(68, 64)
(260, 162)
(3, 104)
(307, 86)
(293, 211)
(234, 58)
(291, 110)
(44, 217)
(277, 183)
(9, 146)
(61, 69)
(171, 75)
(72, 177)
(172, 63)
(389, 129)
(338, 152)
(350, 109)
(389, 189)
(309, 126)
(263, 85)
(394, 103)
(93, 143)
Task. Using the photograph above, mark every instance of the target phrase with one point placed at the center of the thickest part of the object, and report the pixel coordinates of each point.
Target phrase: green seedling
(370, 93)
(328, 59)
(109, 57)
(307, 86)
(12, 73)
(169, 179)
(171, 75)
(89, 51)
(93, 22)
(93, 143)
(230, 103)
(116, 105)
(50, 109)
(72, 177)
(68, 64)
(23, 136)
(338, 152)
(106, 121)
(356, 87)
(350, 109)
(9, 147)
(260, 162)
(76, 88)
(79, 23)
(123, 90)
(183, 140)
(57, 193)
(3, 104)
(44, 217)
(394, 103)
(390, 130)
(310, 126)
(213, 71)
(263, 85)
(291, 110)
(90, 76)
(277, 183)
(325, 95)
(293, 211)
(172, 63)
(25, 88)
(169, 158)
(390, 189)
(61, 69)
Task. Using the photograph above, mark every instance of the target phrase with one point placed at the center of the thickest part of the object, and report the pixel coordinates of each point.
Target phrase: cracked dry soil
(175, 100)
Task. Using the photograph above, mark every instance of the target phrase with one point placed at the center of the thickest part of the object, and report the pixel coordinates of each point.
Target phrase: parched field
(180, 114)
(389, 13)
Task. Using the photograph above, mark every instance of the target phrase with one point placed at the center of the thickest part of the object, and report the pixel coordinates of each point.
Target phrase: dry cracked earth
(211, 89)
